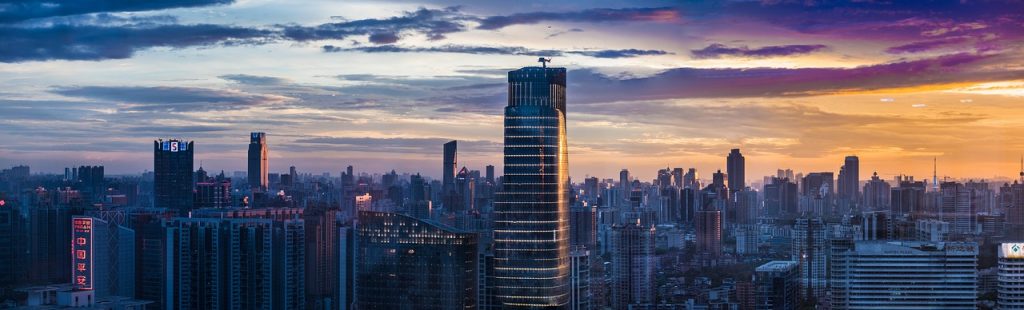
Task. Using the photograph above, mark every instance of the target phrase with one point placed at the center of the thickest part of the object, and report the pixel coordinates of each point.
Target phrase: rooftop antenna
(544, 61)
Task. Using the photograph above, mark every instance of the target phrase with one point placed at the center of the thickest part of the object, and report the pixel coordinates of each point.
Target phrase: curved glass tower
(531, 217)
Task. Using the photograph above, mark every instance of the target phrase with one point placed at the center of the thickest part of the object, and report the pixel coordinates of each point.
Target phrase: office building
(776, 286)
(633, 265)
(904, 275)
(1011, 276)
(736, 169)
(877, 194)
(531, 217)
(172, 175)
(407, 263)
(258, 161)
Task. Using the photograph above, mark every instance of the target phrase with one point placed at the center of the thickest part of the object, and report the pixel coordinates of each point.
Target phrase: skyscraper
(531, 218)
(736, 170)
(258, 164)
(849, 179)
(172, 175)
(450, 165)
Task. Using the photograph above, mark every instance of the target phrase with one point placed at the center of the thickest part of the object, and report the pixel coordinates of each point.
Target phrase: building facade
(531, 217)
(904, 275)
(258, 161)
(407, 263)
(172, 175)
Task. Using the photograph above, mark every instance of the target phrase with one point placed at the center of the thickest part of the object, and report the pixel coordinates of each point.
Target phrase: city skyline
(339, 84)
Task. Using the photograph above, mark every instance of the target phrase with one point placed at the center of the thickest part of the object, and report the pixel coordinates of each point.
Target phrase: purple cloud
(921, 46)
(384, 38)
(589, 86)
(719, 50)
(435, 24)
(586, 16)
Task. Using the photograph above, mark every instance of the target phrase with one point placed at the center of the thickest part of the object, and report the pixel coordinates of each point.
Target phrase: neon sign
(174, 146)
(81, 252)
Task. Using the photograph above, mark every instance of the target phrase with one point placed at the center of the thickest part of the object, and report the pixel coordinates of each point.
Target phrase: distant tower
(258, 164)
(450, 166)
(935, 174)
(736, 170)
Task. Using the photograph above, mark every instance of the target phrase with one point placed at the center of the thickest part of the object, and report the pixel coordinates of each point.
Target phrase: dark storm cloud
(99, 43)
(19, 10)
(590, 86)
(718, 50)
(584, 16)
(494, 50)
(170, 99)
(434, 23)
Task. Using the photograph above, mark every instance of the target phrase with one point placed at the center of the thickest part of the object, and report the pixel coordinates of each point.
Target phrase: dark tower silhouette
(172, 175)
(258, 164)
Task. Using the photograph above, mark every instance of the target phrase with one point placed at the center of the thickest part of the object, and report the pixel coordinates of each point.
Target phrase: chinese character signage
(81, 253)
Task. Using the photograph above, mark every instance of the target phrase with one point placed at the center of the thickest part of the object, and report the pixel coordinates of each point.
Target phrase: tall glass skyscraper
(258, 164)
(172, 175)
(531, 218)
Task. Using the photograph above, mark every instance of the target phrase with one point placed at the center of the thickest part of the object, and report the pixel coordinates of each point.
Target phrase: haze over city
(651, 84)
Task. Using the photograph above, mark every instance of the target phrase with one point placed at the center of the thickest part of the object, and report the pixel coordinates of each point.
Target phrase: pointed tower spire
(935, 174)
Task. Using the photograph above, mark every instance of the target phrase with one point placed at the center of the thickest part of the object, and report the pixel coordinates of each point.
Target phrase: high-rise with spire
(531, 217)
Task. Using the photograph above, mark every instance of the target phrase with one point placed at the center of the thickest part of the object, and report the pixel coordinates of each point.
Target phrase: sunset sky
(381, 85)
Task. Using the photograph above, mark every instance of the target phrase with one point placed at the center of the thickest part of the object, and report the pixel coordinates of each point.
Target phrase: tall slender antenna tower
(935, 174)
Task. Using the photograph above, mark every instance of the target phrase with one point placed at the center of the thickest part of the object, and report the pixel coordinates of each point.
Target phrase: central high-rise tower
(531, 218)
(258, 161)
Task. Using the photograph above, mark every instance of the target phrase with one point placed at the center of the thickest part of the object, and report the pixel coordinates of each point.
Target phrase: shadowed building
(406, 263)
(531, 218)
(172, 175)
(258, 163)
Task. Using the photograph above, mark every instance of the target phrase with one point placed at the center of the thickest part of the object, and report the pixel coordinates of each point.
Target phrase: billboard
(81, 253)
(1011, 250)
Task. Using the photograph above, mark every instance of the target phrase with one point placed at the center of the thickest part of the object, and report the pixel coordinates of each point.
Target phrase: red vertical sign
(81, 253)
